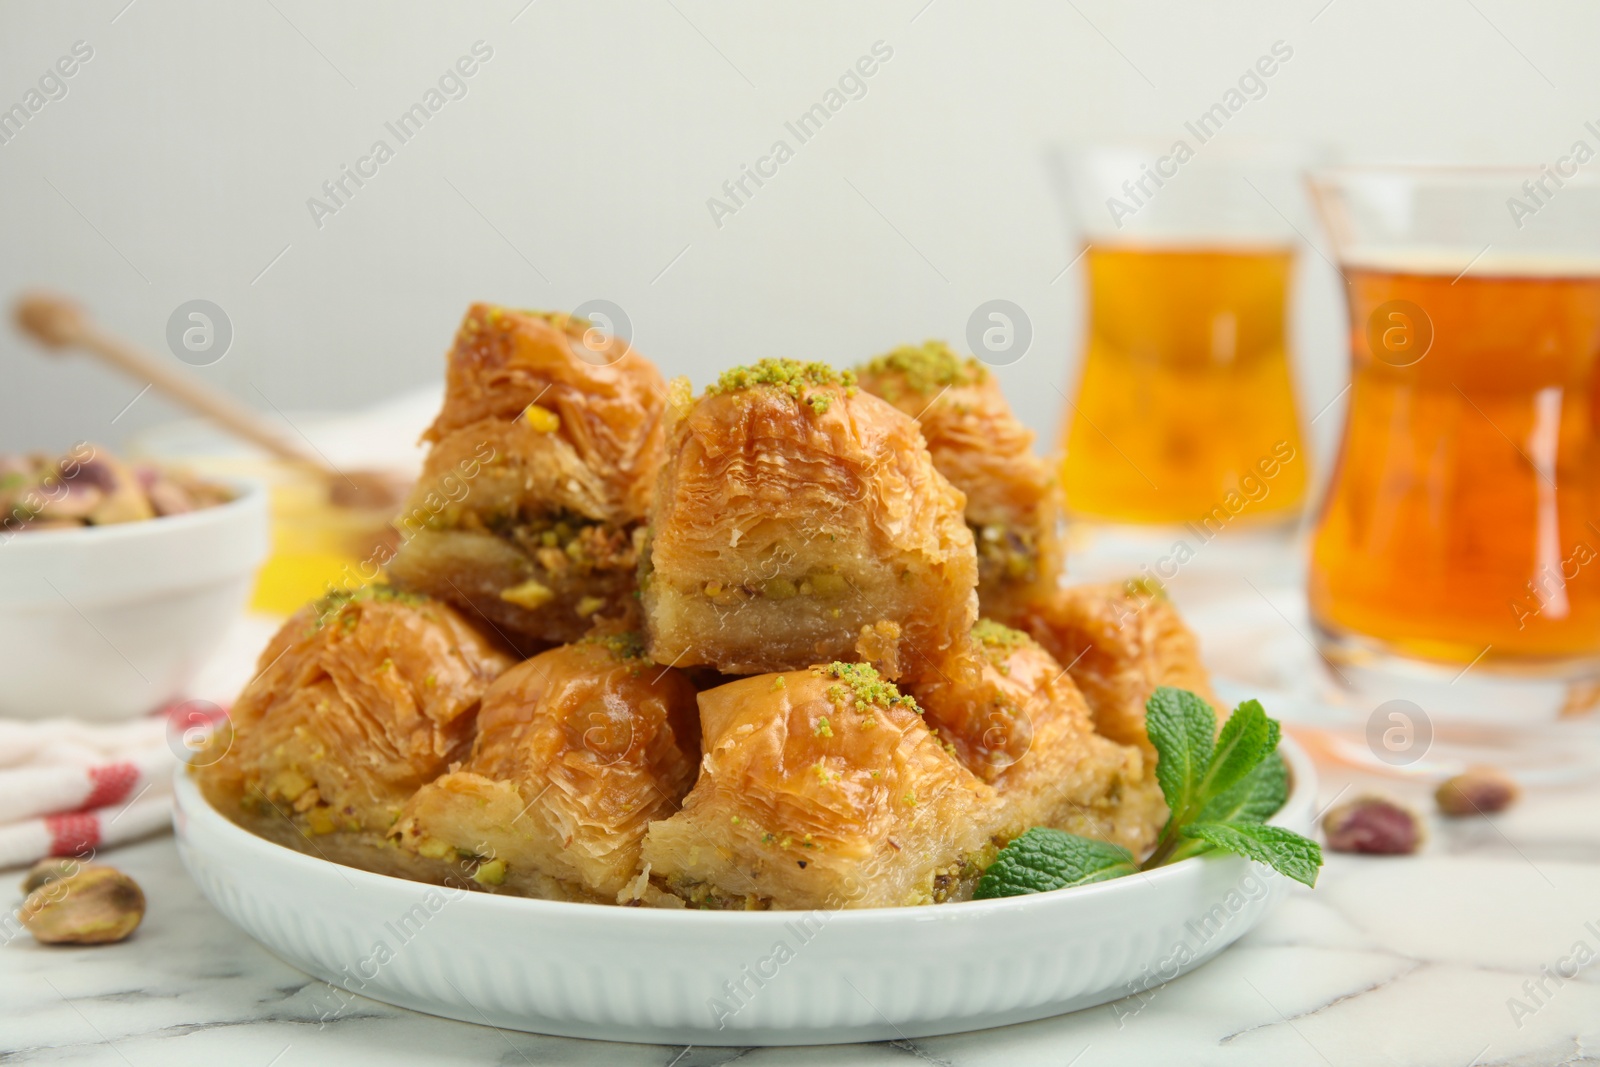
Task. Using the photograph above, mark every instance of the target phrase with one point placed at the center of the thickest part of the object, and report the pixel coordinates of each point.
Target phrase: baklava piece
(822, 788)
(1119, 640)
(987, 453)
(532, 499)
(359, 700)
(1005, 708)
(578, 750)
(792, 511)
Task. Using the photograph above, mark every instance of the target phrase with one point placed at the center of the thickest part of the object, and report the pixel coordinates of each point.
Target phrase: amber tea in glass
(1461, 527)
(1184, 410)
(1185, 394)
(1461, 518)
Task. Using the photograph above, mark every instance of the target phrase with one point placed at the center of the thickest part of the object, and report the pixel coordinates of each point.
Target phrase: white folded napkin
(84, 834)
(55, 788)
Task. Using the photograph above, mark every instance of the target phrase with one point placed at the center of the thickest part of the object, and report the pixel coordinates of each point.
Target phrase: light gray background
(579, 164)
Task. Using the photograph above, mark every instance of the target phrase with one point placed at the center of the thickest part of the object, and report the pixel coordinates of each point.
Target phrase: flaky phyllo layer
(822, 788)
(578, 751)
(532, 501)
(793, 510)
(984, 449)
(359, 701)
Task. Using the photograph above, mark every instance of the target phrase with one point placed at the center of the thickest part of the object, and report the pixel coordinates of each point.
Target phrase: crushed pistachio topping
(863, 683)
(822, 729)
(789, 375)
(625, 646)
(778, 683)
(998, 642)
(927, 367)
(330, 606)
(992, 634)
(1144, 587)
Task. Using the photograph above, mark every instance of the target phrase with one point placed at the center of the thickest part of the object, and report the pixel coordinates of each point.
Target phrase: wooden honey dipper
(57, 323)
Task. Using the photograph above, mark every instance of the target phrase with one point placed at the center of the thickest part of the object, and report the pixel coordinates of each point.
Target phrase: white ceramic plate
(730, 978)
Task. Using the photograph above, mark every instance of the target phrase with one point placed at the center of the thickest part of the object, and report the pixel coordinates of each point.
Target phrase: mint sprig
(1283, 850)
(1247, 738)
(1183, 729)
(1220, 789)
(1256, 798)
(1043, 859)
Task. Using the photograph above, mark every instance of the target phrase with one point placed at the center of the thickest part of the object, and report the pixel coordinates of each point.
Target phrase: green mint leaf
(1043, 859)
(1283, 850)
(1254, 798)
(1240, 747)
(1183, 728)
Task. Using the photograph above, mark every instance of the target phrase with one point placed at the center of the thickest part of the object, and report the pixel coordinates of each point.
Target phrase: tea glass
(1454, 572)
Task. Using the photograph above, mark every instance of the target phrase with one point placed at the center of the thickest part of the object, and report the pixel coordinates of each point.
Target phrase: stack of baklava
(799, 641)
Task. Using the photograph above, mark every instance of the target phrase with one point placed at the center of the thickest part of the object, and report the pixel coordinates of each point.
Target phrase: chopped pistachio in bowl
(88, 486)
(117, 581)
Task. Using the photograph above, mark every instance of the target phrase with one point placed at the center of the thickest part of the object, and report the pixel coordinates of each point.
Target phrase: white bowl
(107, 622)
(728, 978)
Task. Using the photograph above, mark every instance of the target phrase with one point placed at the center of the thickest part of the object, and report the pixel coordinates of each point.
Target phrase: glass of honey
(1184, 422)
(1455, 562)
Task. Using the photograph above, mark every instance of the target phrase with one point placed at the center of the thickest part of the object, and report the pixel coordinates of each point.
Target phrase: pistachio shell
(51, 869)
(95, 906)
(1476, 791)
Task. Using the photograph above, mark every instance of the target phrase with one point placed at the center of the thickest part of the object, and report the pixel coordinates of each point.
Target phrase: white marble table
(1404, 961)
(1433, 959)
